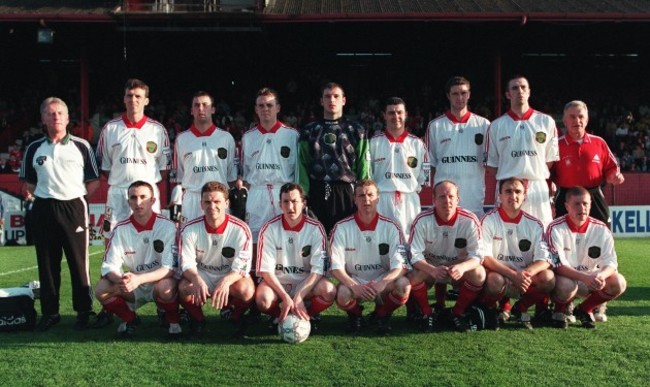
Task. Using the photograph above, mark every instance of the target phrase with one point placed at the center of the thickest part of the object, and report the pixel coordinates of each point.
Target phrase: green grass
(618, 352)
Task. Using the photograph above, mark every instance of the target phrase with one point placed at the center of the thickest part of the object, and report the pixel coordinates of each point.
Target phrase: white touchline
(34, 267)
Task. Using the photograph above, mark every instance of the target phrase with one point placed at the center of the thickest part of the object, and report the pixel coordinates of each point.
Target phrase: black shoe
(127, 329)
(226, 313)
(273, 325)
(184, 317)
(197, 328)
(103, 319)
(383, 326)
(82, 320)
(414, 316)
(427, 323)
(47, 322)
(354, 323)
(254, 314)
(162, 320)
(452, 294)
(558, 320)
(459, 322)
(543, 316)
(585, 318)
(241, 327)
(314, 321)
(492, 319)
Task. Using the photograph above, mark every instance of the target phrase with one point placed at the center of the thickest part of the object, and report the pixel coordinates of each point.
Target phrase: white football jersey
(516, 243)
(139, 248)
(203, 157)
(441, 243)
(457, 152)
(367, 253)
(292, 253)
(521, 147)
(134, 152)
(218, 251)
(583, 249)
(399, 164)
(270, 157)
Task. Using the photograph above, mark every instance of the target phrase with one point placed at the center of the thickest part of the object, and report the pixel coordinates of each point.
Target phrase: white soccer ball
(293, 330)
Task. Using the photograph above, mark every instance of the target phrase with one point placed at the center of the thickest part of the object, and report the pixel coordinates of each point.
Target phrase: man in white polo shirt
(202, 153)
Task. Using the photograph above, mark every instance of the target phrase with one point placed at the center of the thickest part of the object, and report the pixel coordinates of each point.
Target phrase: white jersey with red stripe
(521, 146)
(292, 253)
(583, 248)
(134, 151)
(445, 243)
(516, 243)
(270, 157)
(216, 251)
(203, 157)
(367, 253)
(457, 152)
(139, 248)
(399, 164)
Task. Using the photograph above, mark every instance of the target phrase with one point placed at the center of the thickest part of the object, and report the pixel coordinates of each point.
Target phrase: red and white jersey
(217, 251)
(586, 163)
(521, 147)
(367, 253)
(516, 243)
(445, 243)
(399, 164)
(270, 157)
(457, 152)
(141, 249)
(203, 157)
(134, 151)
(584, 248)
(292, 253)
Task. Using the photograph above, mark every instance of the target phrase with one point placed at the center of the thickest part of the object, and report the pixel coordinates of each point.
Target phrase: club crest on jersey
(268, 140)
(285, 151)
(478, 138)
(228, 252)
(40, 160)
(306, 251)
(593, 252)
(524, 245)
(222, 153)
(290, 241)
(152, 147)
(445, 234)
(215, 242)
(368, 239)
(383, 248)
(460, 243)
(540, 137)
(412, 162)
(158, 246)
(329, 138)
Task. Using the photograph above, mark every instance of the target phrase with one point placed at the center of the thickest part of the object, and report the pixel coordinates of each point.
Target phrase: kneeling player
(585, 260)
(369, 260)
(515, 254)
(292, 258)
(215, 258)
(445, 248)
(143, 244)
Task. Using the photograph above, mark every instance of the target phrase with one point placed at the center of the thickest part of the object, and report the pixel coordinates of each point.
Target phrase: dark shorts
(331, 202)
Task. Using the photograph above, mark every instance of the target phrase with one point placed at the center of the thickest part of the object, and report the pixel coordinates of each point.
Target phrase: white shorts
(143, 294)
(537, 202)
(210, 279)
(191, 206)
(262, 204)
(402, 207)
(117, 206)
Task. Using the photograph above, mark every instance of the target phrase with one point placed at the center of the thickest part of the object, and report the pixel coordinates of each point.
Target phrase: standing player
(445, 248)
(202, 153)
(215, 254)
(399, 166)
(515, 255)
(585, 260)
(333, 154)
(369, 261)
(269, 160)
(456, 148)
(132, 147)
(60, 170)
(143, 244)
(523, 143)
(292, 260)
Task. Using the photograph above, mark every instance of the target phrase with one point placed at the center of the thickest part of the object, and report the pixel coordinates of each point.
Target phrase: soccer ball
(293, 330)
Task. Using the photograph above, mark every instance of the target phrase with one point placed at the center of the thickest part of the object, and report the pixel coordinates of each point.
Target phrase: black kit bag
(17, 309)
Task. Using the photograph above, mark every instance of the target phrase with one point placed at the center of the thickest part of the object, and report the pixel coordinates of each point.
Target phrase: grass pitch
(618, 352)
